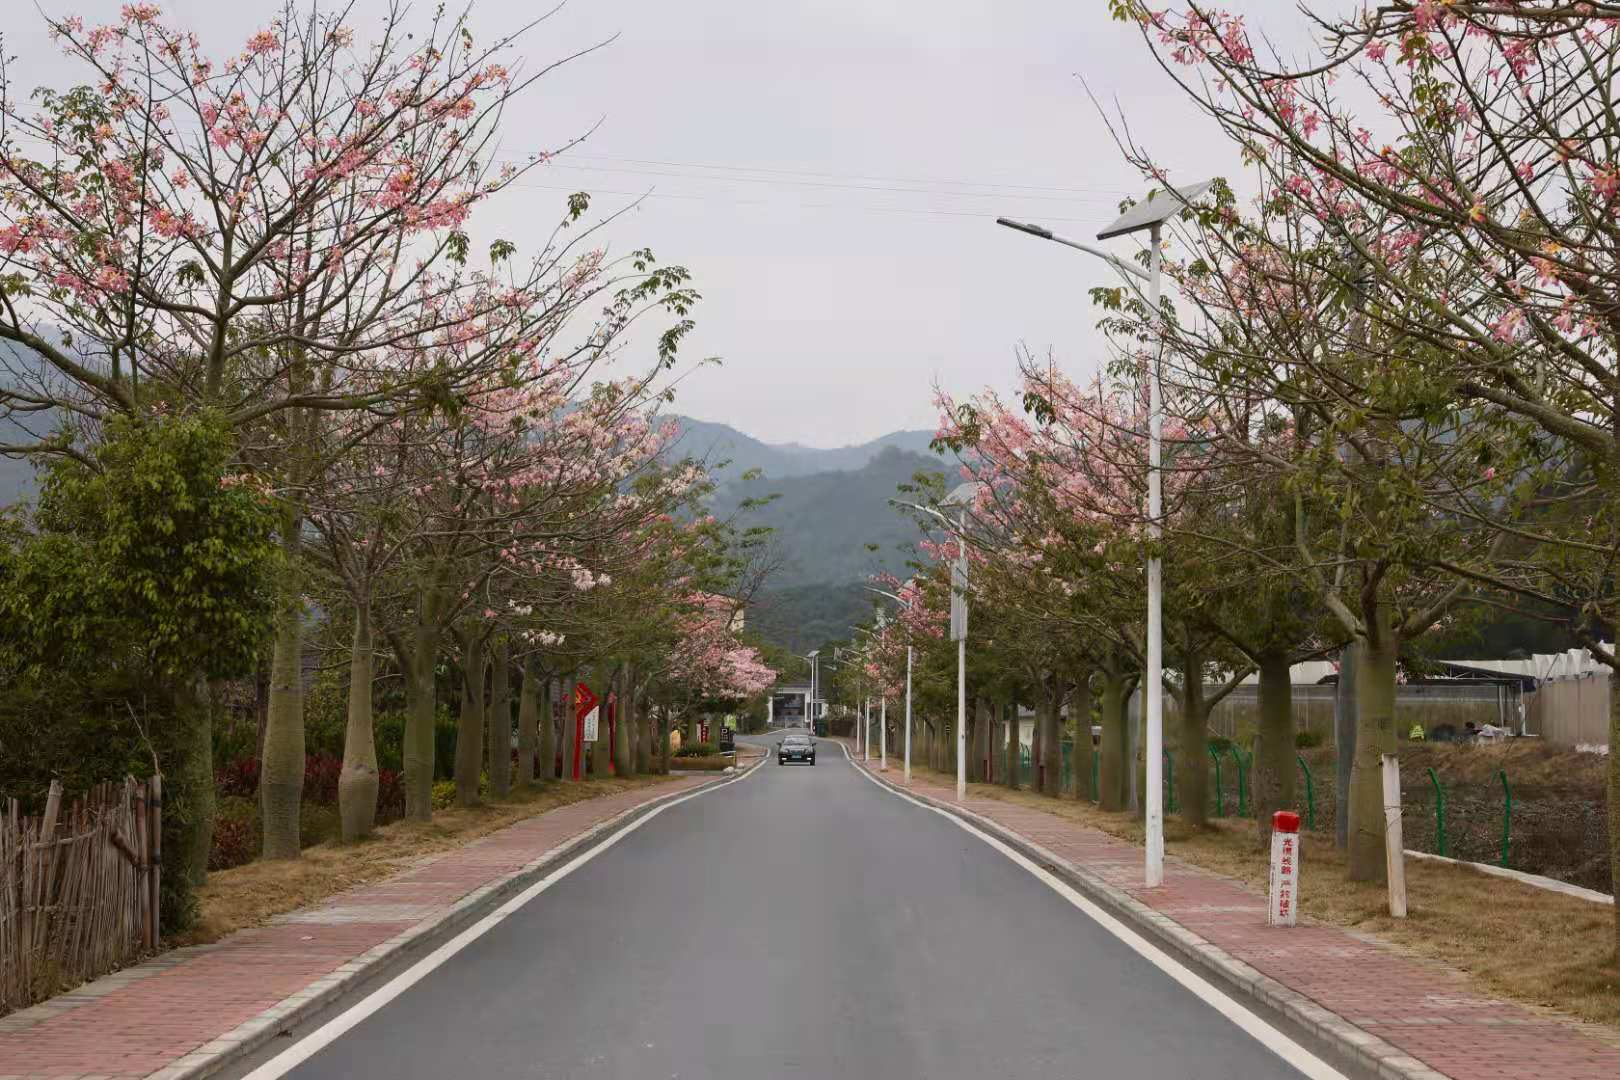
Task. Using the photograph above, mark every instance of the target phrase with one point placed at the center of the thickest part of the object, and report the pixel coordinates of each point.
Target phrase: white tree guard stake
(1283, 906)
(1394, 851)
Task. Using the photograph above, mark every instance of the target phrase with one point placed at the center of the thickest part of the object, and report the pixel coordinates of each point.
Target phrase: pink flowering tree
(1464, 224)
(258, 233)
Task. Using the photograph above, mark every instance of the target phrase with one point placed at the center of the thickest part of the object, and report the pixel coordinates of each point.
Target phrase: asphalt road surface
(801, 922)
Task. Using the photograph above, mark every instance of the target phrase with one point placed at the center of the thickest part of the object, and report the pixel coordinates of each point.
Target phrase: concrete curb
(1535, 881)
(1358, 1047)
(245, 1038)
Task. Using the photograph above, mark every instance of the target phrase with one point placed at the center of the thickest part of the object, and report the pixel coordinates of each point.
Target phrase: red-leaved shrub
(321, 772)
(236, 842)
(240, 777)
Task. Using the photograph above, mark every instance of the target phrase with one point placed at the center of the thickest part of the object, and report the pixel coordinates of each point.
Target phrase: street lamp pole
(1151, 214)
(908, 714)
(909, 651)
(962, 495)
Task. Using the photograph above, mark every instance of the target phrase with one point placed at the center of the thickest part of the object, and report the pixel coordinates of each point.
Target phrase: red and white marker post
(1283, 906)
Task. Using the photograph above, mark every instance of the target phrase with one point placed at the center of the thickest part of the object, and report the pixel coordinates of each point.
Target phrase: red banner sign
(584, 702)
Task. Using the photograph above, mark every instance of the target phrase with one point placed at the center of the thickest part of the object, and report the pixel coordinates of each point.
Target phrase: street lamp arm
(950, 525)
(1047, 234)
(885, 592)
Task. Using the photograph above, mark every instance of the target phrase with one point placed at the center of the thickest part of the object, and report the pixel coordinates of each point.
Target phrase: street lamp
(962, 495)
(1150, 214)
(810, 706)
(883, 708)
(907, 605)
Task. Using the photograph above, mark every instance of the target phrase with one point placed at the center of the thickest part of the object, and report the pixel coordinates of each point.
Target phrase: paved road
(800, 923)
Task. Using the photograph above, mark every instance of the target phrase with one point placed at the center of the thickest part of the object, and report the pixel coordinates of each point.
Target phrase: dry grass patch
(250, 895)
(1516, 941)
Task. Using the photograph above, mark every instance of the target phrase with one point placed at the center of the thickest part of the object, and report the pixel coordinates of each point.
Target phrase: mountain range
(730, 453)
(832, 522)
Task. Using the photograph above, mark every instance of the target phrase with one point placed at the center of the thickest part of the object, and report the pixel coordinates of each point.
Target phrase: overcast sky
(829, 170)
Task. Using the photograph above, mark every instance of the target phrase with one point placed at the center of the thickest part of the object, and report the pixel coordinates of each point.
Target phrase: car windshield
(797, 740)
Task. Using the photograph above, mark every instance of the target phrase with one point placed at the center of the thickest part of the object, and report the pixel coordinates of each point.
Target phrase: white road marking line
(1246, 1019)
(335, 1028)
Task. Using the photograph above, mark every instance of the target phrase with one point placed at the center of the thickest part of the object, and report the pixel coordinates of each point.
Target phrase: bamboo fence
(78, 889)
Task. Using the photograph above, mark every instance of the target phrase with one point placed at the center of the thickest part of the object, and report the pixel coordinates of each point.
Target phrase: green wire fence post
(1507, 815)
(1243, 795)
(1310, 793)
(1220, 793)
(1439, 813)
(1169, 783)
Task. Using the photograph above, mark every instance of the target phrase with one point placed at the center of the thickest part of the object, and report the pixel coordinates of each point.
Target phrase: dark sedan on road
(796, 748)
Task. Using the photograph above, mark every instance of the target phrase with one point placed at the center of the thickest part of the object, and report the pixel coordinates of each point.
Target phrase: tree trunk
(646, 735)
(1080, 715)
(663, 739)
(470, 725)
(1010, 750)
(1375, 737)
(602, 748)
(623, 758)
(188, 785)
(1192, 755)
(421, 713)
(1051, 740)
(1037, 739)
(357, 783)
(1344, 742)
(281, 777)
(1272, 778)
(498, 720)
(529, 738)
(1111, 778)
(569, 727)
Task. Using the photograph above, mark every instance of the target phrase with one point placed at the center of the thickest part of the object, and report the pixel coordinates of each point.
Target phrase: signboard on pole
(584, 702)
(593, 723)
(959, 599)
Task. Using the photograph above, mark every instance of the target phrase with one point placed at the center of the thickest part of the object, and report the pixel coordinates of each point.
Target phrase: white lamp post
(962, 495)
(905, 604)
(1151, 214)
(810, 706)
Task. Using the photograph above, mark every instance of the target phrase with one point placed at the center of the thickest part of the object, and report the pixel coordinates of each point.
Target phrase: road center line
(1244, 1018)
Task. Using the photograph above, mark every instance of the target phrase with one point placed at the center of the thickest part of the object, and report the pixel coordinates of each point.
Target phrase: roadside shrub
(1219, 744)
(390, 794)
(239, 779)
(1307, 740)
(390, 734)
(236, 833)
(321, 772)
(701, 749)
(444, 743)
(318, 823)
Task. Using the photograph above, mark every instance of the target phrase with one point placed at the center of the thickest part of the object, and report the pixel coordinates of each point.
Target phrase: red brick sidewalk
(182, 1010)
(1421, 1008)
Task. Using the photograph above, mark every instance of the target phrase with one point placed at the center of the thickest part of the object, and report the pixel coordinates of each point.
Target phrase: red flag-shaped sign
(584, 702)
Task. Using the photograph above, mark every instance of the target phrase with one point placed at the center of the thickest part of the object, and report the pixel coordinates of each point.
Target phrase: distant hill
(720, 442)
(804, 617)
(825, 521)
